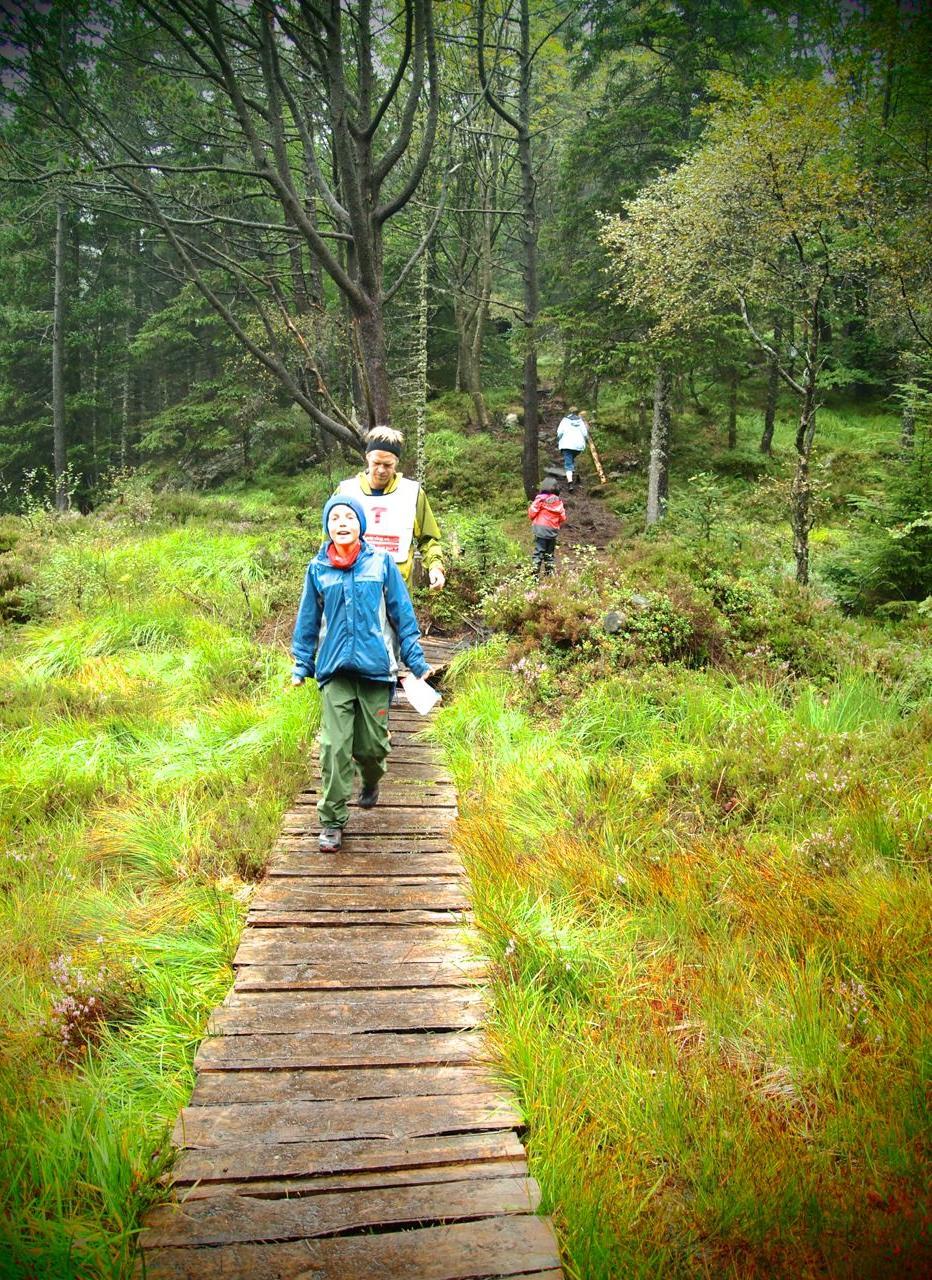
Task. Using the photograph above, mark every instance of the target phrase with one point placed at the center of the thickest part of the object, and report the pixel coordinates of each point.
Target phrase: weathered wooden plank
(307, 1003)
(400, 756)
(327, 877)
(403, 842)
(253, 1162)
(338, 1049)
(303, 891)
(418, 765)
(413, 843)
(367, 946)
(355, 865)
(337, 977)
(399, 820)
(233, 1219)
(413, 753)
(492, 1247)
(271, 1188)
(436, 894)
(555, 1273)
(338, 1084)
(271, 1123)
(278, 1012)
(430, 797)
(328, 919)
(392, 793)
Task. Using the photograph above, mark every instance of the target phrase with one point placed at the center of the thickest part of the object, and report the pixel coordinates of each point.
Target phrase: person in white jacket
(572, 438)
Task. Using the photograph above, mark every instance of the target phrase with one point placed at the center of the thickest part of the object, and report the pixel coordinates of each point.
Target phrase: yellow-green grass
(149, 745)
(708, 909)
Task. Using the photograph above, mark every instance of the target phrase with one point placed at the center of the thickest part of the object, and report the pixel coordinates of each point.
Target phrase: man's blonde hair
(387, 435)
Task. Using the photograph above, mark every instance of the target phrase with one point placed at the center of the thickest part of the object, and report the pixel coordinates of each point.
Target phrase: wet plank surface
(346, 1121)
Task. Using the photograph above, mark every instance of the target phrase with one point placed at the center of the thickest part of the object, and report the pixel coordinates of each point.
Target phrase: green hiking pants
(354, 727)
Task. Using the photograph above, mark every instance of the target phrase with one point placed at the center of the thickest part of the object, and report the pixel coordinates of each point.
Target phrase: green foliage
(701, 504)
(478, 469)
(888, 561)
(479, 556)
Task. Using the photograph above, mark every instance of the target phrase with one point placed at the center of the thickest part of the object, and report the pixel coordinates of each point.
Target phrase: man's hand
(437, 577)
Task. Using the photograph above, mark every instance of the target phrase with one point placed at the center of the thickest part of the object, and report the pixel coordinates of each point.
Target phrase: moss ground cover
(149, 747)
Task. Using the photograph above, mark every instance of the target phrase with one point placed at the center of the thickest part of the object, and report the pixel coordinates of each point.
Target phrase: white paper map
(422, 696)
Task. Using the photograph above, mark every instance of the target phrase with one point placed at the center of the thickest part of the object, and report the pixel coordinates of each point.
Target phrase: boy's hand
(437, 577)
(296, 680)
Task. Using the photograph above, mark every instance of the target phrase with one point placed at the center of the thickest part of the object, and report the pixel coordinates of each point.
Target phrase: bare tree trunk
(124, 407)
(694, 394)
(530, 460)
(95, 406)
(132, 310)
(481, 319)
(369, 338)
(566, 366)
(420, 408)
(58, 362)
(733, 409)
(908, 413)
(800, 518)
(521, 124)
(907, 430)
(459, 322)
(643, 433)
(658, 472)
(773, 386)
(801, 492)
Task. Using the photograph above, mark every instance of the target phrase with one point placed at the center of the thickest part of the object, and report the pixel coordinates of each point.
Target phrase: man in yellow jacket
(398, 515)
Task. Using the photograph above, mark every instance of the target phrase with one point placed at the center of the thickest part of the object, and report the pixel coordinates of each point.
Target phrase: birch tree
(766, 216)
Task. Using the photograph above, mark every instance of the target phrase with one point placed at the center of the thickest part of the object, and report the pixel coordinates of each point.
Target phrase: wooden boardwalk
(344, 1124)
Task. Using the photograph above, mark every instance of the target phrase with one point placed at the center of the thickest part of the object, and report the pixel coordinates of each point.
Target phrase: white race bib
(389, 517)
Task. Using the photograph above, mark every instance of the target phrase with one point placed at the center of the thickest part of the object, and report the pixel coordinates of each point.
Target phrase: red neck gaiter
(342, 558)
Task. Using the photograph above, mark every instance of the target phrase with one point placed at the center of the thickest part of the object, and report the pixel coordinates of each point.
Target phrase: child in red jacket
(546, 514)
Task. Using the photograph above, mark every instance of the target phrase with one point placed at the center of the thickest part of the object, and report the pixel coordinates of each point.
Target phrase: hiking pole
(596, 459)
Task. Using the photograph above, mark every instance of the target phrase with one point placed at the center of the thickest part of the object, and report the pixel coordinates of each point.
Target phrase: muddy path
(589, 521)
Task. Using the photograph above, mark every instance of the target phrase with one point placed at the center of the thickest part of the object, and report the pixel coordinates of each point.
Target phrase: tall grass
(708, 910)
(150, 745)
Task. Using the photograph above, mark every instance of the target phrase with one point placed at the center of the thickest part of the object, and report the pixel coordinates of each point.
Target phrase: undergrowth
(707, 904)
(150, 744)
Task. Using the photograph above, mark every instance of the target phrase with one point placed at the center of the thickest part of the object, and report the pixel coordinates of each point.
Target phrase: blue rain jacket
(346, 619)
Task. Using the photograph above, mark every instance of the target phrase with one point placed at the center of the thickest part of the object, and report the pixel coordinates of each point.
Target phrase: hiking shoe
(330, 839)
(369, 797)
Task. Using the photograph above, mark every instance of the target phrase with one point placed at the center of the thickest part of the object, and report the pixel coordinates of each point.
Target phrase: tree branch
(766, 347)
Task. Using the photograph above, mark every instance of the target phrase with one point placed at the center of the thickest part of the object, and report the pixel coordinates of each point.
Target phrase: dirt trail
(589, 522)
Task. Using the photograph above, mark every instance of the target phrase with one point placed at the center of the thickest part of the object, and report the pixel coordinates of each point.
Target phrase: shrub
(478, 469)
(478, 556)
(15, 574)
(889, 559)
(747, 605)
(661, 630)
(543, 611)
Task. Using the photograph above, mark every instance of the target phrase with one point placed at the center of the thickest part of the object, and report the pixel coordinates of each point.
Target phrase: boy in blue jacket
(353, 600)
